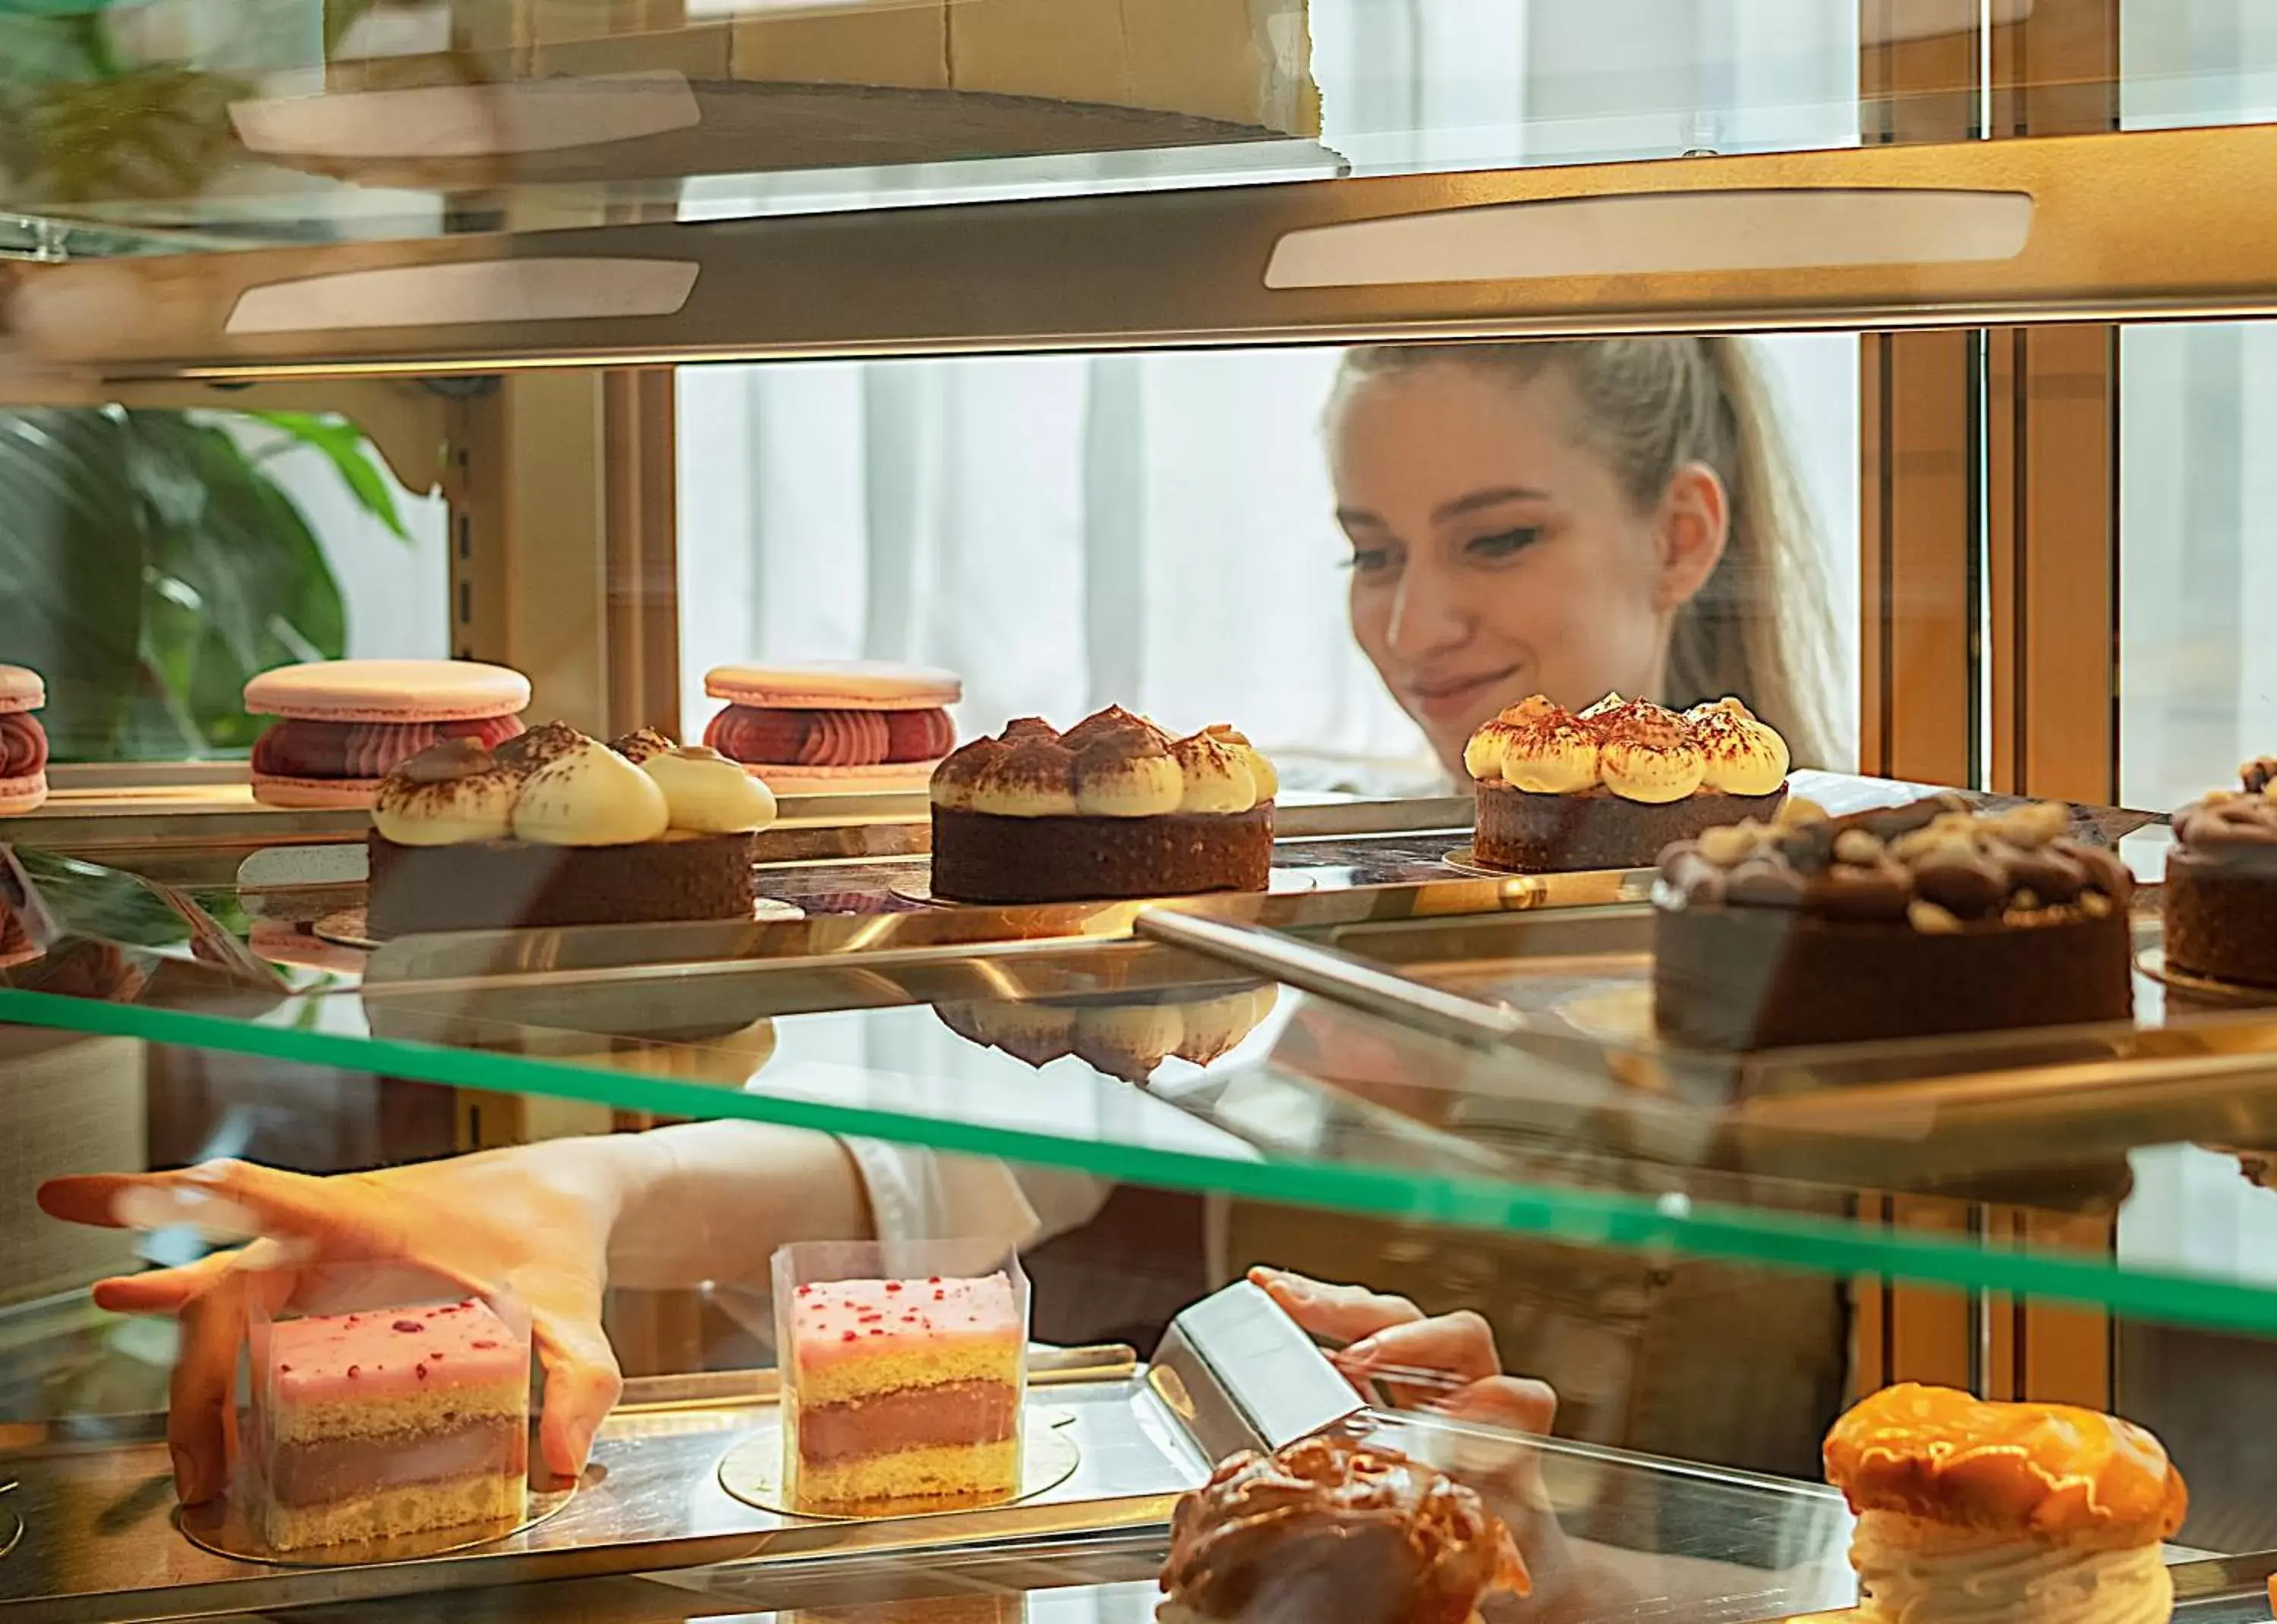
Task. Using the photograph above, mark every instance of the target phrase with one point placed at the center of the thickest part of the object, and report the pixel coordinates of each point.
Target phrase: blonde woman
(1576, 519)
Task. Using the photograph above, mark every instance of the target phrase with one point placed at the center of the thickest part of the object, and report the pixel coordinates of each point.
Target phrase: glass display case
(1895, 375)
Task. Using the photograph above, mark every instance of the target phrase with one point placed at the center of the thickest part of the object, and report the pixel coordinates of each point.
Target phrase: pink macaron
(23, 741)
(345, 725)
(834, 724)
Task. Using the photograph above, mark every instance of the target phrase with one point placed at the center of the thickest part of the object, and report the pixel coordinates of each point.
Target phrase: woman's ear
(1695, 521)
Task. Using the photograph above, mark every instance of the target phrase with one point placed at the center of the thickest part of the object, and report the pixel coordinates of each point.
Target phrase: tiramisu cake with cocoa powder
(1902, 923)
(552, 828)
(2221, 883)
(1616, 785)
(1112, 808)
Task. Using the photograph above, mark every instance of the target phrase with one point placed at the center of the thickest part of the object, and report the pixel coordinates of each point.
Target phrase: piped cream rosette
(1632, 748)
(1113, 764)
(555, 786)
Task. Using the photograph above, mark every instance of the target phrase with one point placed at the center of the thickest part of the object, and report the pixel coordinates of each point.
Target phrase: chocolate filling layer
(916, 1418)
(335, 1469)
(23, 746)
(297, 748)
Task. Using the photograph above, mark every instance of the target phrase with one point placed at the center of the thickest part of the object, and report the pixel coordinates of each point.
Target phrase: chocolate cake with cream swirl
(1904, 921)
(1114, 806)
(552, 828)
(1330, 1532)
(1615, 785)
(2222, 882)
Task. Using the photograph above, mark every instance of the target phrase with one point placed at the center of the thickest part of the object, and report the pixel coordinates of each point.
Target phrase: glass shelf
(568, 182)
(292, 123)
(1143, 1064)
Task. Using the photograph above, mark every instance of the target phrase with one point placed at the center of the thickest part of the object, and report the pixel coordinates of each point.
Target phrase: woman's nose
(1428, 616)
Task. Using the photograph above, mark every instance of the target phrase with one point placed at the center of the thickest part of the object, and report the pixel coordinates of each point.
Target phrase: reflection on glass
(1671, 519)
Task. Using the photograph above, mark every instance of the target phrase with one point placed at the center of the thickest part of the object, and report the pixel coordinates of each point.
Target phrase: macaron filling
(23, 746)
(773, 736)
(299, 747)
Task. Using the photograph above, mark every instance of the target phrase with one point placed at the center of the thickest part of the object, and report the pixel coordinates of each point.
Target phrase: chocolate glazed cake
(1113, 808)
(1911, 921)
(1618, 784)
(2221, 884)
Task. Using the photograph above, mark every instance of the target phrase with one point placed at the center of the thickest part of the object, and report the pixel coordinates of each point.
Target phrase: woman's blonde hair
(1760, 627)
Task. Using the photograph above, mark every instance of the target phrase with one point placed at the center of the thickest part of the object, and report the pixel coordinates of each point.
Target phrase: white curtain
(1157, 530)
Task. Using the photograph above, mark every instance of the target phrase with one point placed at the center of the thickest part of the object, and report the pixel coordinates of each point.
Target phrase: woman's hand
(1445, 1363)
(534, 1221)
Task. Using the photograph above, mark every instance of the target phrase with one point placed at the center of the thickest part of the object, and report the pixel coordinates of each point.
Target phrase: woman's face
(1495, 555)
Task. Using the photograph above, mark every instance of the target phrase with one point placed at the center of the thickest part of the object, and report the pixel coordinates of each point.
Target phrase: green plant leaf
(227, 540)
(72, 542)
(343, 444)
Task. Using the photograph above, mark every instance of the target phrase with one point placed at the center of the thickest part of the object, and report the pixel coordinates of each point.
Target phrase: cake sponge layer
(407, 1415)
(388, 1513)
(988, 1472)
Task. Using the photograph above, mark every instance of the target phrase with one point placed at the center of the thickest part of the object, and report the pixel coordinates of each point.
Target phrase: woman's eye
(1502, 543)
(1370, 560)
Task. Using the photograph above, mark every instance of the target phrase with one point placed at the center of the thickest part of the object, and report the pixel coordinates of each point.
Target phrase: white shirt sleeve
(917, 1194)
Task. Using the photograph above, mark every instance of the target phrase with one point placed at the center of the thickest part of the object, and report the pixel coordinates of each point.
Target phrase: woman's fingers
(162, 1291)
(205, 1377)
(221, 1290)
(277, 1202)
(1511, 1402)
(1444, 1351)
(582, 1383)
(1338, 1313)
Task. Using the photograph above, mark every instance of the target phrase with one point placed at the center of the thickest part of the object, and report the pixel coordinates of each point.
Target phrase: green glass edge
(1587, 1218)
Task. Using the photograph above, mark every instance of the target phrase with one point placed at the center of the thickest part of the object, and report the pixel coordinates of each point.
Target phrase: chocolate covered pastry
(1901, 923)
(1330, 1532)
(1113, 808)
(2221, 883)
(1616, 786)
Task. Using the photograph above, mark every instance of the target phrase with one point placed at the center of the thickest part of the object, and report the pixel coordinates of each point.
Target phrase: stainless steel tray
(101, 1543)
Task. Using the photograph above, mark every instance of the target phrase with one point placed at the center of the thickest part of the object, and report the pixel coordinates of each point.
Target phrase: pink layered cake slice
(904, 1390)
(367, 1426)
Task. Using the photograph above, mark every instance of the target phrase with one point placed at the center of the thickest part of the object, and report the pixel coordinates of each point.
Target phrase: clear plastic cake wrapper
(383, 1408)
(903, 1372)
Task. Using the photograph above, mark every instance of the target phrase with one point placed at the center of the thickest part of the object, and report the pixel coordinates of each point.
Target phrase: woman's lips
(1454, 699)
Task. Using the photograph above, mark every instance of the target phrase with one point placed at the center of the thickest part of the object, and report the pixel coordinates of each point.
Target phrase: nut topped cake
(2042, 1513)
(1905, 921)
(1616, 785)
(1112, 808)
(2222, 882)
(1332, 1531)
(552, 828)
